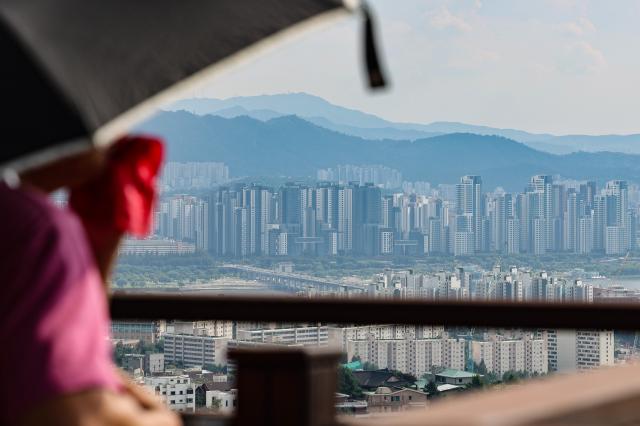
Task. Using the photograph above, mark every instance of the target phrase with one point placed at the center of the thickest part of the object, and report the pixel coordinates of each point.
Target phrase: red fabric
(122, 198)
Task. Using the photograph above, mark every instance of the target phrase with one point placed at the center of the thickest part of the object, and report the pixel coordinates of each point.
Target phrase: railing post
(285, 386)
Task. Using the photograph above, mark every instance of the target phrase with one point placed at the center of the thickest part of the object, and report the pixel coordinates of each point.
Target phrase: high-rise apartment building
(185, 176)
(500, 356)
(332, 219)
(571, 350)
(617, 238)
(469, 205)
(409, 355)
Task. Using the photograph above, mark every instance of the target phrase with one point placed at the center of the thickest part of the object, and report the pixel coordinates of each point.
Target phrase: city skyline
(355, 218)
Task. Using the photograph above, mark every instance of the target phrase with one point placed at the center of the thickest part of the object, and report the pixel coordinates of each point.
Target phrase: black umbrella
(77, 72)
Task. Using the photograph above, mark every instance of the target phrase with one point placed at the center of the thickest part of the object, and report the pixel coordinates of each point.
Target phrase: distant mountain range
(291, 146)
(368, 126)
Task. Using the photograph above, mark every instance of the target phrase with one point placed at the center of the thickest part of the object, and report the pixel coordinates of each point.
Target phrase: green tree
(476, 382)
(369, 366)
(348, 384)
(432, 389)
(216, 368)
(200, 396)
(410, 378)
(513, 376)
(480, 368)
(118, 354)
(216, 403)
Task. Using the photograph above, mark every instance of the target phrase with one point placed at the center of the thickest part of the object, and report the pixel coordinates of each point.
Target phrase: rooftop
(447, 387)
(353, 365)
(456, 374)
(377, 378)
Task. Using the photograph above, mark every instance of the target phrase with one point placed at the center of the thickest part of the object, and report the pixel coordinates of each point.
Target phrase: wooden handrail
(608, 396)
(623, 316)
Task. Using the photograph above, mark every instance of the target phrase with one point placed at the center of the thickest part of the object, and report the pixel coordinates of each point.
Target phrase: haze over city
(554, 66)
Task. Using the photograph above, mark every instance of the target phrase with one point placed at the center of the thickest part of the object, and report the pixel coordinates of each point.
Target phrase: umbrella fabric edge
(125, 121)
(120, 125)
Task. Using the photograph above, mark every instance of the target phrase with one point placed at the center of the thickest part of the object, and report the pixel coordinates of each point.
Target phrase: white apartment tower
(501, 356)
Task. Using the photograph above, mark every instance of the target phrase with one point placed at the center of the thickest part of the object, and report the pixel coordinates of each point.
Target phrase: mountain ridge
(291, 146)
(369, 126)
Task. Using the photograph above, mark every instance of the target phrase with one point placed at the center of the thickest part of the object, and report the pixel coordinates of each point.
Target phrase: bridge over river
(294, 281)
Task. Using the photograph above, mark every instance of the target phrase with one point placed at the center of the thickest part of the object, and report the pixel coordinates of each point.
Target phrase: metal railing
(617, 316)
(623, 316)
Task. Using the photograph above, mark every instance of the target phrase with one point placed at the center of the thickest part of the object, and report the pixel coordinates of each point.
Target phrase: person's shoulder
(27, 211)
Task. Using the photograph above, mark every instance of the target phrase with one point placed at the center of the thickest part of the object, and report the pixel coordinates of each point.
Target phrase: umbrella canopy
(76, 72)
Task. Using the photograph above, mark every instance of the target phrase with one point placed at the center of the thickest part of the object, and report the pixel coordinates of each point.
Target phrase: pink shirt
(53, 311)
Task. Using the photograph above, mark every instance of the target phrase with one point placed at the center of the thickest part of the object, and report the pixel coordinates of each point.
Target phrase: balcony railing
(608, 396)
(623, 316)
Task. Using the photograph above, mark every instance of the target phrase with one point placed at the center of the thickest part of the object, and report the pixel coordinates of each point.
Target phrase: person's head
(67, 172)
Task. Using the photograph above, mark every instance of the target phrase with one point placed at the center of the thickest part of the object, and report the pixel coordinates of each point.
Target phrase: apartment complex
(500, 356)
(410, 355)
(340, 336)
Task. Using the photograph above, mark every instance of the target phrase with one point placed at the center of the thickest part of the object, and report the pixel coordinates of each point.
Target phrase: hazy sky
(558, 66)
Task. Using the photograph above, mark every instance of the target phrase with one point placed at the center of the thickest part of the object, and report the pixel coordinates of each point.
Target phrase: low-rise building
(371, 380)
(222, 401)
(212, 328)
(454, 377)
(177, 392)
(147, 331)
(305, 336)
(353, 407)
(153, 246)
(385, 399)
(195, 351)
(153, 363)
(447, 389)
(133, 362)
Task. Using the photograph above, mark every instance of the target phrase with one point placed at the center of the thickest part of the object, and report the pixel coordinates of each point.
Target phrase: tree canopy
(348, 384)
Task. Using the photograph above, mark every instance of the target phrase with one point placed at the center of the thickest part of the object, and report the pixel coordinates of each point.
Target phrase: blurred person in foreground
(56, 361)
